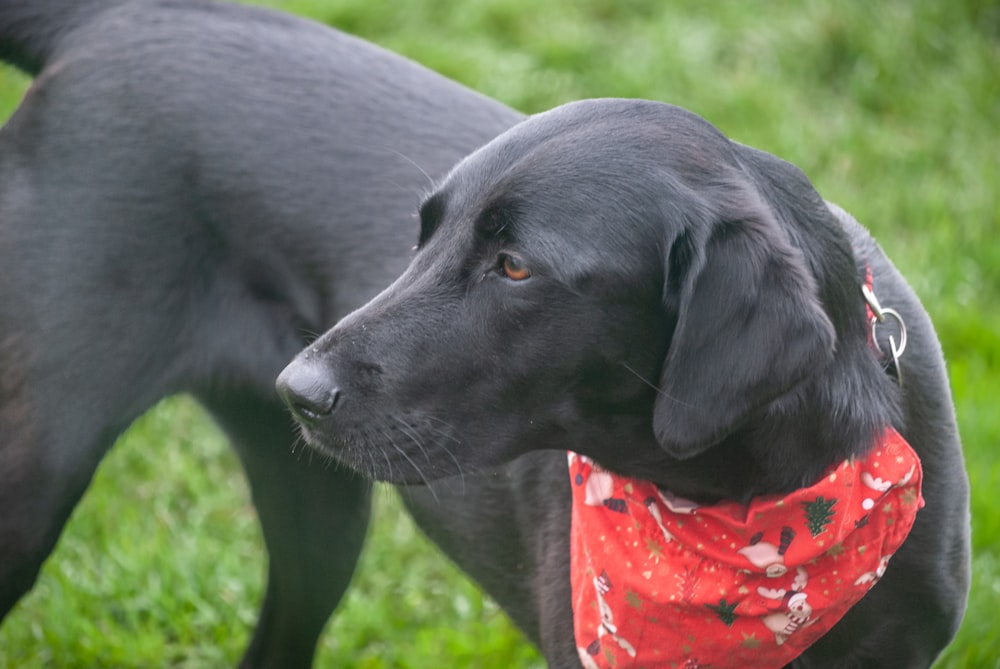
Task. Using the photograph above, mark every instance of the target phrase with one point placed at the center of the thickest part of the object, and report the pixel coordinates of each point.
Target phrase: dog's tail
(31, 30)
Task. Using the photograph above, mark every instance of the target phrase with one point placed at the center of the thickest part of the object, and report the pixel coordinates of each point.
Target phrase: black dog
(618, 279)
(188, 190)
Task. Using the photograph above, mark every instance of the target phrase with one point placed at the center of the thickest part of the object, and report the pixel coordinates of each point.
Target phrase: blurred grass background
(893, 110)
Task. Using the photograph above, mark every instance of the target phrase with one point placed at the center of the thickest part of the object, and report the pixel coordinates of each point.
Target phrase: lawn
(892, 108)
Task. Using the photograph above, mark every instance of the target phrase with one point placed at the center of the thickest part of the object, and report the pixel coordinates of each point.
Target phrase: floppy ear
(749, 327)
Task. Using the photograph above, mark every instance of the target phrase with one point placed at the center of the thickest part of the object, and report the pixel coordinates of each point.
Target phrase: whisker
(413, 464)
(458, 464)
(443, 433)
(309, 335)
(388, 464)
(372, 472)
(414, 436)
(446, 433)
(334, 463)
(642, 378)
(299, 442)
(659, 391)
(430, 181)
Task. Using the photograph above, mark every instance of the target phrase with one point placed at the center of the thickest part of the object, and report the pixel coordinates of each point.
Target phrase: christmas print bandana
(659, 581)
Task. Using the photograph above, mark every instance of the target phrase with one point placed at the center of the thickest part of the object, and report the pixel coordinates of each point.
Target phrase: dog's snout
(307, 390)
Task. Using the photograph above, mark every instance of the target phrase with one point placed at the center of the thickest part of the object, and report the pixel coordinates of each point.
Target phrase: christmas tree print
(687, 583)
(819, 514)
(726, 612)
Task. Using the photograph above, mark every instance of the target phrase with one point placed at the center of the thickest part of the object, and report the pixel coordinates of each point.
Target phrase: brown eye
(514, 267)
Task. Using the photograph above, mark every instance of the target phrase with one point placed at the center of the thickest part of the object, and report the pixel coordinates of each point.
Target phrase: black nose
(307, 390)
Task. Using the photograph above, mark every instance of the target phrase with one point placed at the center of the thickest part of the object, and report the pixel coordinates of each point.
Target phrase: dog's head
(612, 277)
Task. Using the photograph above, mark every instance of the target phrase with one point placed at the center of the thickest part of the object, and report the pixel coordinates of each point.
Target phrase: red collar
(661, 582)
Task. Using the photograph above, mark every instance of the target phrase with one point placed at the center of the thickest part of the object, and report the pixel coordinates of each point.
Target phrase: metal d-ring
(878, 317)
(876, 321)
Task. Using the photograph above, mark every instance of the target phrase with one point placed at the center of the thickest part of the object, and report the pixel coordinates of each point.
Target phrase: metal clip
(878, 318)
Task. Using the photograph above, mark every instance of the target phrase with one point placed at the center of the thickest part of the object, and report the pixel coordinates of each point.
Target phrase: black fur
(693, 316)
(188, 192)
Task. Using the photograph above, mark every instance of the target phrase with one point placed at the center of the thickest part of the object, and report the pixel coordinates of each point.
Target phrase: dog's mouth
(402, 449)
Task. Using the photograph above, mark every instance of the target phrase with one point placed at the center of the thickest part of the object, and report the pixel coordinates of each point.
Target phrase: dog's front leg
(314, 519)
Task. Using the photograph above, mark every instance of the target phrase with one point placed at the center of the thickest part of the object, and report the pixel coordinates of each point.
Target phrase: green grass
(892, 108)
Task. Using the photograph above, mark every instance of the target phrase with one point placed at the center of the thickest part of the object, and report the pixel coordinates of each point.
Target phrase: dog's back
(30, 31)
(201, 191)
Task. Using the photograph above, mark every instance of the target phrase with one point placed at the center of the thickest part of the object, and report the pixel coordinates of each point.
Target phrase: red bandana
(661, 582)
